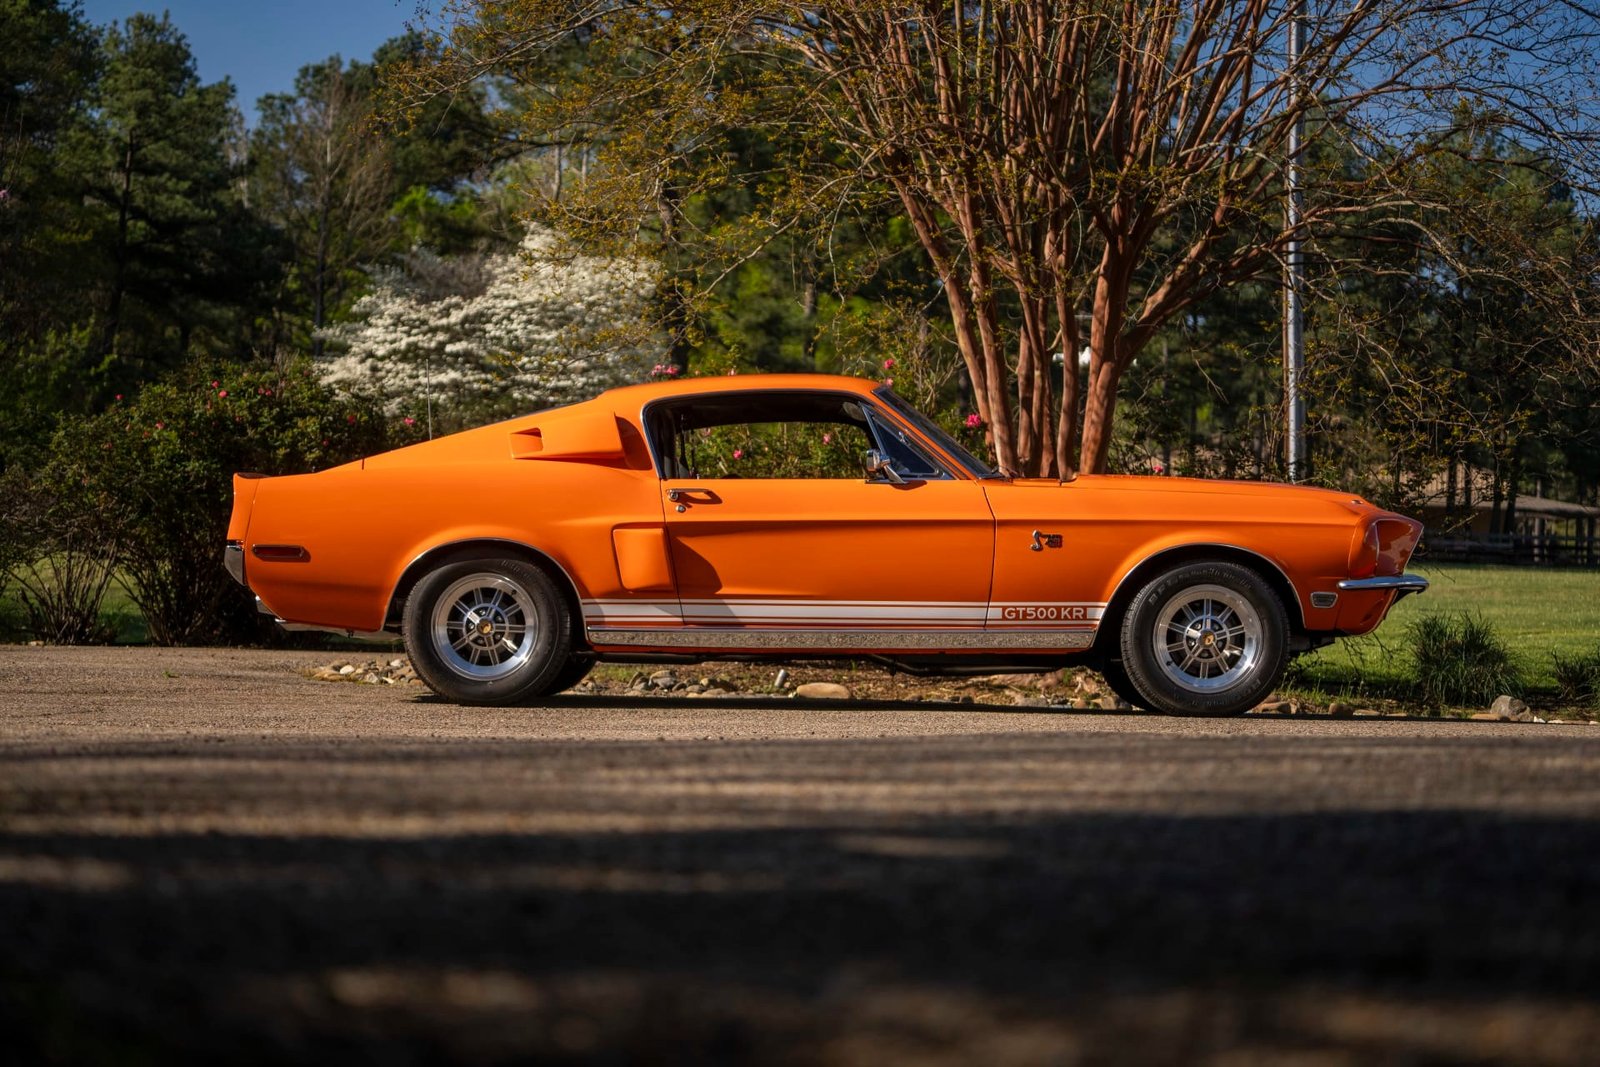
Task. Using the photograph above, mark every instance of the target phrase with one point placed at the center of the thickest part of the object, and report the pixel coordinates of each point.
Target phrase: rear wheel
(577, 669)
(488, 631)
(1207, 638)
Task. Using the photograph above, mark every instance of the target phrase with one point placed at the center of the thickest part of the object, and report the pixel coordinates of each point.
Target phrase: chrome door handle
(675, 495)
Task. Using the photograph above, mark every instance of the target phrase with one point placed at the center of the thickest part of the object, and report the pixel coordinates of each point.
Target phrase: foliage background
(435, 236)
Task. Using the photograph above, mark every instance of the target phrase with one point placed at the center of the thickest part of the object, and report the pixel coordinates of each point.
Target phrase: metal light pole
(1294, 353)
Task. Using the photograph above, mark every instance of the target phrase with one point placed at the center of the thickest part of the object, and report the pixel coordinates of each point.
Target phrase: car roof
(732, 383)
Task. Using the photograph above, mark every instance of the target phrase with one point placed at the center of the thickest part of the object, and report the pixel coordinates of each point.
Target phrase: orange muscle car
(730, 518)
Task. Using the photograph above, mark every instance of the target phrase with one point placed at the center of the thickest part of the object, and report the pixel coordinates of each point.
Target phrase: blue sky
(262, 44)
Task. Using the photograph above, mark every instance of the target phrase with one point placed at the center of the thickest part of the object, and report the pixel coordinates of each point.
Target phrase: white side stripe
(773, 611)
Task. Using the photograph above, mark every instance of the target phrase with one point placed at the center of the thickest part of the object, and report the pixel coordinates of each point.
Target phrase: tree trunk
(119, 282)
(319, 285)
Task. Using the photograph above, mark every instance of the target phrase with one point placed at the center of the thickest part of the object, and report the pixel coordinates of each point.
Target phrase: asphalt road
(204, 855)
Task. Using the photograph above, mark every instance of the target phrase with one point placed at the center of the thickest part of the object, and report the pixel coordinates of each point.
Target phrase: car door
(1051, 561)
(829, 561)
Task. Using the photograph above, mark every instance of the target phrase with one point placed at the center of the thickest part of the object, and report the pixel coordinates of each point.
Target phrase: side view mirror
(880, 468)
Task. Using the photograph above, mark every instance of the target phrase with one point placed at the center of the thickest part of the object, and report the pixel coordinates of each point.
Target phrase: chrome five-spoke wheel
(488, 631)
(1205, 638)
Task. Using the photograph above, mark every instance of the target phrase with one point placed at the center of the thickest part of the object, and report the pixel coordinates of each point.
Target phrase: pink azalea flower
(161, 426)
(672, 371)
(888, 364)
(222, 392)
(351, 419)
(215, 384)
(973, 422)
(827, 438)
(738, 453)
(888, 382)
(410, 421)
(732, 371)
(119, 396)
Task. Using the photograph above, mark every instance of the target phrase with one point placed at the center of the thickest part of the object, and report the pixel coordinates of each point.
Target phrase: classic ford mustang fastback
(730, 518)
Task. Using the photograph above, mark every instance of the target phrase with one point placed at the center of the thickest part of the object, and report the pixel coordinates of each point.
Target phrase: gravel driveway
(205, 855)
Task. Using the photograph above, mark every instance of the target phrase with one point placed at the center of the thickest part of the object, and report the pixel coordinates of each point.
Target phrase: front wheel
(1116, 676)
(488, 631)
(1208, 638)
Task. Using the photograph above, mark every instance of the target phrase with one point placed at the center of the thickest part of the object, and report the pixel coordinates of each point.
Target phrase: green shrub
(58, 555)
(1460, 661)
(1578, 678)
(158, 468)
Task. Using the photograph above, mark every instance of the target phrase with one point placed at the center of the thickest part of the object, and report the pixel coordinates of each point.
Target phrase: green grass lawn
(118, 614)
(1535, 610)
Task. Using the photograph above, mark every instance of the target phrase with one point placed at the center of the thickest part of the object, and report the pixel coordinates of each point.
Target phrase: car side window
(909, 461)
(778, 435)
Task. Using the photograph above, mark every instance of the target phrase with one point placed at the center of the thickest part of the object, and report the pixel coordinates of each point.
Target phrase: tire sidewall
(1139, 658)
(552, 640)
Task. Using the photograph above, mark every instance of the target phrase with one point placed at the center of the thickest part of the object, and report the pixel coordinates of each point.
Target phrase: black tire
(1116, 676)
(488, 631)
(579, 664)
(1205, 638)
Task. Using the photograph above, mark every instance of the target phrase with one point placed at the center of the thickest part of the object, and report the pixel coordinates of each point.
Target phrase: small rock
(1486, 716)
(1368, 713)
(695, 690)
(1510, 709)
(371, 678)
(1537, 719)
(1274, 707)
(1023, 700)
(347, 669)
(822, 691)
(715, 691)
(1082, 704)
(1013, 681)
(782, 680)
(663, 680)
(397, 663)
(1340, 710)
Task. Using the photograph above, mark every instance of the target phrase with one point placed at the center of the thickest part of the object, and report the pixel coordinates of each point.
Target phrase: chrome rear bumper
(233, 559)
(1401, 584)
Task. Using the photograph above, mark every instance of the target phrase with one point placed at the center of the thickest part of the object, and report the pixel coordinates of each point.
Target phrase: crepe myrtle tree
(1079, 173)
(490, 336)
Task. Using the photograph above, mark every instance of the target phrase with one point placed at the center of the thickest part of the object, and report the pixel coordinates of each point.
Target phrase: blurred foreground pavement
(204, 855)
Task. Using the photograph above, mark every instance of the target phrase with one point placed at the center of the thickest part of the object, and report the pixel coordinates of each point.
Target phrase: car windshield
(930, 429)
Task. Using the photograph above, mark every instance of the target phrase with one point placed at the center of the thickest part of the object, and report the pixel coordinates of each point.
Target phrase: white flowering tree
(490, 336)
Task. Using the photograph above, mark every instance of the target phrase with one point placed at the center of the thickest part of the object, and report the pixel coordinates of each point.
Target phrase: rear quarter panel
(363, 526)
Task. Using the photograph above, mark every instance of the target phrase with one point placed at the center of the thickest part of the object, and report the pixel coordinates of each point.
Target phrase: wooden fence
(1549, 550)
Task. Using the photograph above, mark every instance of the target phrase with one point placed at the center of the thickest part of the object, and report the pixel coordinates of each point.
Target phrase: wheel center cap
(485, 627)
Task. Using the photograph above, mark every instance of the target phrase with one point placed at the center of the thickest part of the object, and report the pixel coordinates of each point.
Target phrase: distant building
(1466, 522)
